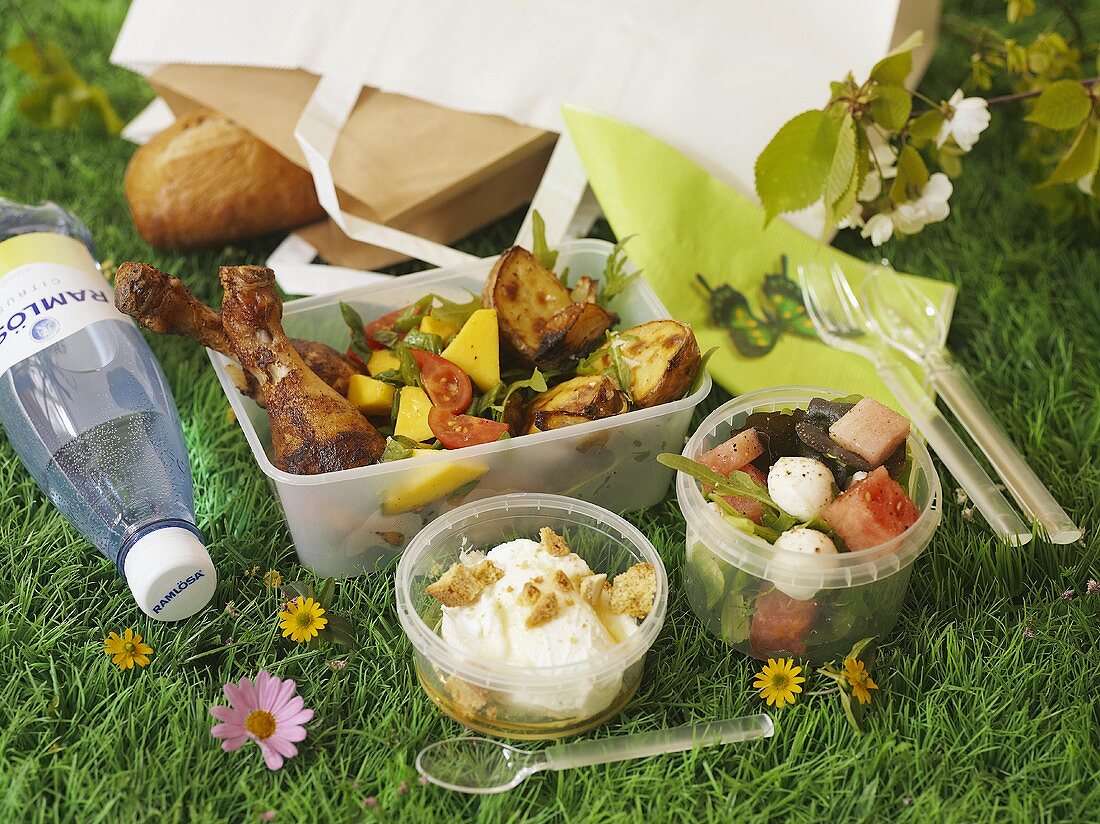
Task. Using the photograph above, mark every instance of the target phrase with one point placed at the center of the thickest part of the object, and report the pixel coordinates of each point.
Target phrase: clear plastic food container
(344, 523)
(766, 601)
(513, 701)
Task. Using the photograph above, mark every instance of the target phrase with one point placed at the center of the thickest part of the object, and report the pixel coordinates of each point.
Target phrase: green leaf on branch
(895, 67)
(1019, 9)
(890, 106)
(1082, 157)
(925, 127)
(1062, 105)
(950, 160)
(840, 206)
(791, 171)
(60, 96)
(911, 178)
(839, 178)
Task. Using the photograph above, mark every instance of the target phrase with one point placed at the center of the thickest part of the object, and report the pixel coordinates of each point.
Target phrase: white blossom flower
(909, 218)
(1085, 183)
(880, 228)
(968, 118)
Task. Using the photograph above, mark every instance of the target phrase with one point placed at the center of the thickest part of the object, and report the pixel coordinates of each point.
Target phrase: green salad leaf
(357, 330)
(540, 250)
(428, 341)
(608, 360)
(450, 311)
(412, 314)
(615, 276)
(398, 447)
(496, 399)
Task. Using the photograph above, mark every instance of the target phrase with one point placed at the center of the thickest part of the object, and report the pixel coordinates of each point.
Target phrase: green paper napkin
(686, 223)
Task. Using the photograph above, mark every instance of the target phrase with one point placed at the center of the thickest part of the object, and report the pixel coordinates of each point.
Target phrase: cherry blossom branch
(1012, 98)
(32, 38)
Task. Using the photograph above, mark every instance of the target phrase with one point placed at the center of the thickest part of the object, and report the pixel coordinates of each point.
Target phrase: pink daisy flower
(267, 712)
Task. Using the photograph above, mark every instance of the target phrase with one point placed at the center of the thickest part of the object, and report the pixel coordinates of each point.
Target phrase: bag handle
(560, 199)
(317, 131)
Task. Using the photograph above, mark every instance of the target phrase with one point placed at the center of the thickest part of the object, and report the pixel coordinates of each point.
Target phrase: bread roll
(204, 180)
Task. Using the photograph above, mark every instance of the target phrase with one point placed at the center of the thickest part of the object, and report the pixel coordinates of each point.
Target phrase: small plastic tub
(514, 701)
(750, 594)
(348, 522)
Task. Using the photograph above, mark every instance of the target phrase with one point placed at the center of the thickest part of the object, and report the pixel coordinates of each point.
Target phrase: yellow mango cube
(412, 414)
(369, 396)
(382, 360)
(442, 328)
(419, 488)
(476, 349)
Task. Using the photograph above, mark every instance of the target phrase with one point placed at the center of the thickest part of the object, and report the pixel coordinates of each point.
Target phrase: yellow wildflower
(778, 682)
(273, 578)
(127, 650)
(859, 680)
(302, 619)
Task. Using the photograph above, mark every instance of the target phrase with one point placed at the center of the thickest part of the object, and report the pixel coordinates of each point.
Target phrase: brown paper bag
(435, 172)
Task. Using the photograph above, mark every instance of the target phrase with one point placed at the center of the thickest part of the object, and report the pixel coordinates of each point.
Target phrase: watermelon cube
(781, 624)
(757, 476)
(749, 507)
(735, 453)
(871, 512)
(871, 430)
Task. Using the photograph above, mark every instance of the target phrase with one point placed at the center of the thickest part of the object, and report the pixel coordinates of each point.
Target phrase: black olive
(824, 414)
(778, 427)
(895, 463)
(815, 438)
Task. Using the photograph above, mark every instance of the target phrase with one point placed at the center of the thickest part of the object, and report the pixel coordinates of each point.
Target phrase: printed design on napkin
(780, 303)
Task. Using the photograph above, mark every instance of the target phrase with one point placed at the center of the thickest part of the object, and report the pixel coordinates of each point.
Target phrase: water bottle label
(43, 303)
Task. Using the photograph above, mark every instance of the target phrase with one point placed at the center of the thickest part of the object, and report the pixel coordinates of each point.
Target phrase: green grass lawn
(988, 708)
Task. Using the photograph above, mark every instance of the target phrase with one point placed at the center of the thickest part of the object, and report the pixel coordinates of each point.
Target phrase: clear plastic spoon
(483, 766)
(910, 322)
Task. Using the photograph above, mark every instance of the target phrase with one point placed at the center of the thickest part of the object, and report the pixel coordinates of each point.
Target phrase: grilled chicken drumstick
(161, 303)
(313, 428)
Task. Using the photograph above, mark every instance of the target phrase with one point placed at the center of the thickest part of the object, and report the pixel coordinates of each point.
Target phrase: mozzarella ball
(811, 542)
(801, 487)
(804, 539)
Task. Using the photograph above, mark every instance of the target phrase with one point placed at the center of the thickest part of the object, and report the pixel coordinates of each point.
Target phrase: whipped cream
(542, 609)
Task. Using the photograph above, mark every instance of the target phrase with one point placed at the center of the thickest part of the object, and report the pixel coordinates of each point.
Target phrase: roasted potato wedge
(538, 317)
(580, 399)
(664, 359)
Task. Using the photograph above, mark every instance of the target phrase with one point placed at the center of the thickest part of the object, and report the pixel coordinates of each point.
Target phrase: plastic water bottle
(87, 409)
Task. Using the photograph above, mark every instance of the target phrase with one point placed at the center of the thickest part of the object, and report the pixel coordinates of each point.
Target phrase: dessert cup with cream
(524, 640)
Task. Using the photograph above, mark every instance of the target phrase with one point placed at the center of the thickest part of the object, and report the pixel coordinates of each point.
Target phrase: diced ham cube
(750, 508)
(871, 512)
(871, 430)
(735, 453)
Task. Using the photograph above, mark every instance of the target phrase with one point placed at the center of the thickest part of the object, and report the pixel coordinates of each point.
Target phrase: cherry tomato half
(457, 431)
(448, 386)
(384, 323)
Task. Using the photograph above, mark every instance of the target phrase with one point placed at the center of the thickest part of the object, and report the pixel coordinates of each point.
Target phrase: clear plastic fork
(842, 323)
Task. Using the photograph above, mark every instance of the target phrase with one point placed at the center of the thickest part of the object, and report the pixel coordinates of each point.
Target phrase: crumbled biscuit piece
(469, 697)
(563, 581)
(545, 610)
(592, 586)
(553, 543)
(456, 587)
(487, 572)
(529, 596)
(634, 591)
